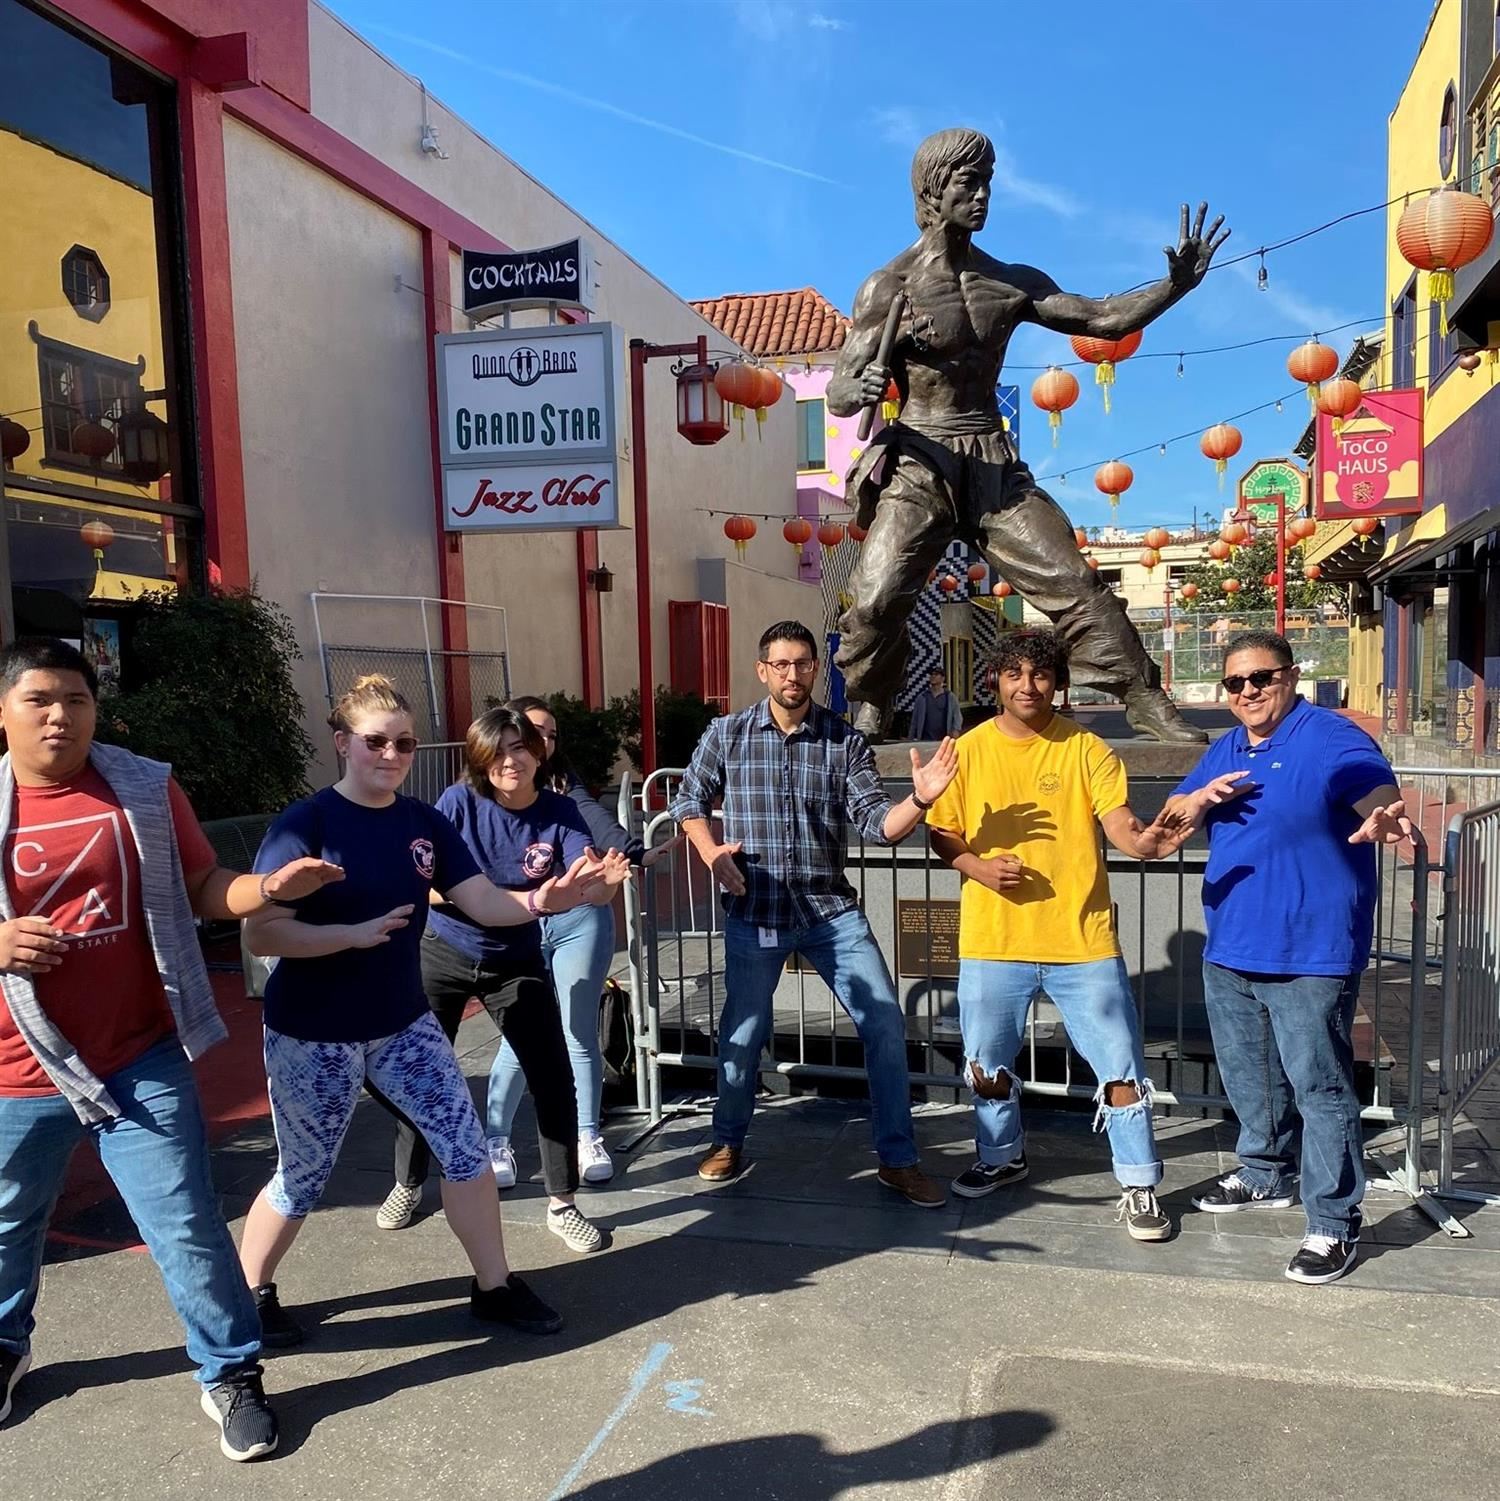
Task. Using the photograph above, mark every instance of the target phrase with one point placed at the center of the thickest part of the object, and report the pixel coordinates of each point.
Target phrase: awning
(1430, 539)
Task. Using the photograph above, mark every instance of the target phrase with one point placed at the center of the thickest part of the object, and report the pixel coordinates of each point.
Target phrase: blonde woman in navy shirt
(345, 1006)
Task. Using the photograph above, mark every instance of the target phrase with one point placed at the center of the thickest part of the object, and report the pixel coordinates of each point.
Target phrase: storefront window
(98, 506)
(1429, 663)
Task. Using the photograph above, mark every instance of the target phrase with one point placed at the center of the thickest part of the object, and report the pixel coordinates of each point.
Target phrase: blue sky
(757, 145)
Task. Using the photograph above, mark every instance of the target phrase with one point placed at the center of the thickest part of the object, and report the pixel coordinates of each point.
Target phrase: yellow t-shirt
(1039, 799)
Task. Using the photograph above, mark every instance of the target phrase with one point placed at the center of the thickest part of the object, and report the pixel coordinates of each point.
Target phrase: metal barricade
(674, 937)
(1470, 1042)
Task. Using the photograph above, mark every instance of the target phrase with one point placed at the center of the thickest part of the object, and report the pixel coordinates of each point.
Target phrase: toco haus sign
(494, 280)
(527, 427)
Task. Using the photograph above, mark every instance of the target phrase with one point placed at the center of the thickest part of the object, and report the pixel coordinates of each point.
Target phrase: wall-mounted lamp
(601, 580)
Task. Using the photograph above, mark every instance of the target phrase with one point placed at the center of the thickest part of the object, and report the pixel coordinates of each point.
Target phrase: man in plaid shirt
(793, 777)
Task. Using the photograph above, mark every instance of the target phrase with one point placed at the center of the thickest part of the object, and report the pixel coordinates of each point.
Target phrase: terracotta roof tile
(775, 323)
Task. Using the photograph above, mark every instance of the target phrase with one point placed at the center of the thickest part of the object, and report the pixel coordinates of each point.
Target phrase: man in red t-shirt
(98, 1001)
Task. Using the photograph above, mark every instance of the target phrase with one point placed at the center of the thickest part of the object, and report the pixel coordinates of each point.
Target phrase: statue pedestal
(1143, 757)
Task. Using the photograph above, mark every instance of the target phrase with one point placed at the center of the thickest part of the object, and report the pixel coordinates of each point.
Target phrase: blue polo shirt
(1284, 892)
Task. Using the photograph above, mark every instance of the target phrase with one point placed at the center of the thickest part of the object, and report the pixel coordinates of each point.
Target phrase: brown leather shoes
(721, 1164)
(913, 1185)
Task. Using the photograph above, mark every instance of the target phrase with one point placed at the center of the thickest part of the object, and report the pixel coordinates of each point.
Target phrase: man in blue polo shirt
(1289, 900)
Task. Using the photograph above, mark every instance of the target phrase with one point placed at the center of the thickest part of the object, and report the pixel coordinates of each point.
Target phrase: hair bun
(373, 680)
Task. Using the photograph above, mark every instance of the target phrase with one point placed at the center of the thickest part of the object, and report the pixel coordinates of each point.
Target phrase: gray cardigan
(141, 786)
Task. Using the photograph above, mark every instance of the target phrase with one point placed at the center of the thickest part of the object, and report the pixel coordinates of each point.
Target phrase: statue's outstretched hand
(1188, 264)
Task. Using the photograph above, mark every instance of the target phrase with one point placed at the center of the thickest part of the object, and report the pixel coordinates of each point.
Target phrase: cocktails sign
(1372, 466)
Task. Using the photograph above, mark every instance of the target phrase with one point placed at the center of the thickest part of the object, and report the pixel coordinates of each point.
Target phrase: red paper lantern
(857, 533)
(1219, 551)
(1093, 563)
(1220, 443)
(96, 535)
(1235, 533)
(1001, 590)
(1114, 479)
(1312, 573)
(890, 403)
(1302, 527)
(1105, 354)
(739, 530)
(1269, 581)
(1149, 559)
(1339, 399)
(1081, 537)
(1158, 537)
(1441, 232)
(93, 440)
(798, 531)
(744, 385)
(14, 440)
(948, 584)
(977, 572)
(1364, 526)
(830, 534)
(1312, 363)
(1231, 586)
(1054, 391)
(1190, 591)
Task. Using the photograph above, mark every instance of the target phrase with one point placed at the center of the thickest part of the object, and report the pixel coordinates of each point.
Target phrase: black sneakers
(1143, 1215)
(1321, 1258)
(247, 1426)
(515, 1304)
(278, 1329)
(985, 1177)
(1232, 1193)
(12, 1368)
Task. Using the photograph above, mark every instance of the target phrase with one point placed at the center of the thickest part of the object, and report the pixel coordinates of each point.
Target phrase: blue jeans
(579, 947)
(845, 954)
(157, 1153)
(1099, 1013)
(1284, 1041)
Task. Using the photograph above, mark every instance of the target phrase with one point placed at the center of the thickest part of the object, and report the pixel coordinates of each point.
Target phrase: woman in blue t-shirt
(345, 1008)
(519, 835)
(579, 947)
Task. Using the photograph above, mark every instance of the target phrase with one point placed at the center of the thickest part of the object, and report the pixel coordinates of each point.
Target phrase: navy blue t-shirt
(1284, 892)
(516, 850)
(391, 856)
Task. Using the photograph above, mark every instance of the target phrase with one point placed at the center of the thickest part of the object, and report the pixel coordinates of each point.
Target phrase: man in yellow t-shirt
(1020, 822)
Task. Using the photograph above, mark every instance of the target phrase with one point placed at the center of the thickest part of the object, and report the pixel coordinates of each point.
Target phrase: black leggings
(524, 1007)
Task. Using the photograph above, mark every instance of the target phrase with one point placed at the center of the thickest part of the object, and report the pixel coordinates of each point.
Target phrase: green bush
(681, 719)
(589, 738)
(208, 687)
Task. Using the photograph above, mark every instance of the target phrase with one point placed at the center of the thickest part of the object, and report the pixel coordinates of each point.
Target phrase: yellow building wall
(52, 203)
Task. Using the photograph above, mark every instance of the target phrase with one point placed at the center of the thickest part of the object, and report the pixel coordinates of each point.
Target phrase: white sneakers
(594, 1165)
(502, 1161)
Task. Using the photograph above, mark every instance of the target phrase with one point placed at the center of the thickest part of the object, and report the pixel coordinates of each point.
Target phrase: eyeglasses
(1262, 677)
(406, 745)
(803, 669)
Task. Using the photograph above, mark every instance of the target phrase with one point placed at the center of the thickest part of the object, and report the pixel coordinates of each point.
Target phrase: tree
(208, 687)
(1250, 565)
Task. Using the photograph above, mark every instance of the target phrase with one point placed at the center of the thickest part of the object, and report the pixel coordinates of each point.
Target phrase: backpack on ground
(617, 1040)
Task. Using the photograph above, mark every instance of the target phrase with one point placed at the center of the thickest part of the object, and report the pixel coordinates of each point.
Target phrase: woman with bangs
(519, 835)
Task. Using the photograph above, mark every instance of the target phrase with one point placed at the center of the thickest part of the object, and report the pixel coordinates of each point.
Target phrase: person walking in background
(1020, 823)
(519, 835)
(105, 999)
(1292, 800)
(793, 778)
(578, 948)
(936, 712)
(345, 1006)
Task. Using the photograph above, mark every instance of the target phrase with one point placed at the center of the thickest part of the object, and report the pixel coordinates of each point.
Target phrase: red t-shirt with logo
(71, 858)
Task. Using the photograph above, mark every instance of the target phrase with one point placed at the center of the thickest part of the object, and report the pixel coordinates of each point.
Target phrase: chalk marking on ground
(655, 1358)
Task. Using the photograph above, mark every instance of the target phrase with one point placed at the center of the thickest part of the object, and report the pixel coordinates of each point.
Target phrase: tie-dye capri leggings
(314, 1087)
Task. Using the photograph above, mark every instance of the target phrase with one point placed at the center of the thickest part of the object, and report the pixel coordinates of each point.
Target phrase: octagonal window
(85, 283)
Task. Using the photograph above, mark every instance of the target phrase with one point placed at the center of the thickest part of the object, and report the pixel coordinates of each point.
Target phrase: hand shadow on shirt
(1034, 887)
(1016, 823)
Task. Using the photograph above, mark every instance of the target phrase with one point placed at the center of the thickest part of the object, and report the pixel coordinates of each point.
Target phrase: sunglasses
(1262, 677)
(406, 745)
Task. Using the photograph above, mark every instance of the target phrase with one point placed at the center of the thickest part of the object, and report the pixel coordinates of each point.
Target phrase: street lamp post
(640, 352)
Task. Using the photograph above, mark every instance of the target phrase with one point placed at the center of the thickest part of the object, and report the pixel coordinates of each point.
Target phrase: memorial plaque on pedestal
(926, 939)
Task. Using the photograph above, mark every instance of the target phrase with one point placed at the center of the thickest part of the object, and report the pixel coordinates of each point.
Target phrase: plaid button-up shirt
(789, 799)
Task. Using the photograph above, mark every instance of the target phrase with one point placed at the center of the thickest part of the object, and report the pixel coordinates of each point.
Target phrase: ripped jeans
(1099, 1013)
